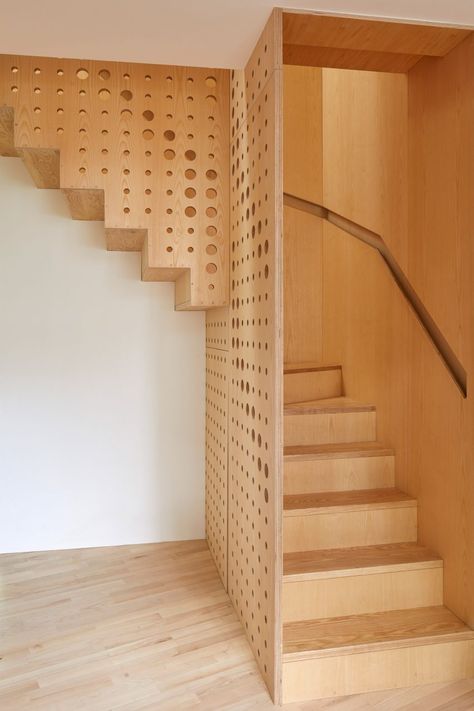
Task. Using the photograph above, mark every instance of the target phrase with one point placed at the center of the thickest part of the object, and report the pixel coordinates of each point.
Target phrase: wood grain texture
(155, 139)
(256, 351)
(359, 594)
(329, 427)
(137, 628)
(348, 561)
(363, 526)
(302, 272)
(376, 628)
(335, 58)
(312, 384)
(370, 34)
(345, 500)
(304, 474)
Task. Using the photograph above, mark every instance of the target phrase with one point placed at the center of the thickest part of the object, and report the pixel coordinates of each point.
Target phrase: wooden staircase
(362, 604)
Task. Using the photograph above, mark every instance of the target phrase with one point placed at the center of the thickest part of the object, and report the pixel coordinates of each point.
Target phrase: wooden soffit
(356, 43)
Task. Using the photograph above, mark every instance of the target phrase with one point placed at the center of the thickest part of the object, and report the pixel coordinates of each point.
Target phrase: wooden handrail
(439, 341)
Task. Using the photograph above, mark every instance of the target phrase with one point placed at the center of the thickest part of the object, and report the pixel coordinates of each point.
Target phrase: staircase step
(338, 467)
(342, 519)
(343, 581)
(327, 421)
(309, 381)
(359, 653)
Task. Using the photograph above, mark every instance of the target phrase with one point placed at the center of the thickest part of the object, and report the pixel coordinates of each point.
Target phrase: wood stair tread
(372, 631)
(347, 561)
(290, 368)
(325, 501)
(338, 450)
(332, 405)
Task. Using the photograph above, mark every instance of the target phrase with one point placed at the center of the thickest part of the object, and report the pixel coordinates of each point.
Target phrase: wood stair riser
(361, 593)
(312, 385)
(363, 527)
(328, 428)
(344, 474)
(338, 674)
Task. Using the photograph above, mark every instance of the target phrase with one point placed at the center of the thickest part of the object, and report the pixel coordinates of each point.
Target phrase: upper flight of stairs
(362, 603)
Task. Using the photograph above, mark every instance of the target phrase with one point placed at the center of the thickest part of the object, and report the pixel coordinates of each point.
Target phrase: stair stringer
(150, 159)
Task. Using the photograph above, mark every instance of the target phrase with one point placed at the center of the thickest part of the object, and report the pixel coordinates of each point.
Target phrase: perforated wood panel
(216, 456)
(255, 351)
(154, 138)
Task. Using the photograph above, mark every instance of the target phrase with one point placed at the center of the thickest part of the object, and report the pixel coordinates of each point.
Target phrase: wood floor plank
(142, 628)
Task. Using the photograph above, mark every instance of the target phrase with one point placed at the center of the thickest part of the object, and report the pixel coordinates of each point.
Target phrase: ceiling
(214, 33)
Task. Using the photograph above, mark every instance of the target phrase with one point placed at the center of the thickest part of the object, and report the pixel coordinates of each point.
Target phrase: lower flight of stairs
(362, 602)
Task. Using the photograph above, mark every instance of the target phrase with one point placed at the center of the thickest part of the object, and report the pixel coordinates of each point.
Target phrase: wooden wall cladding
(153, 139)
(255, 395)
(217, 393)
(410, 177)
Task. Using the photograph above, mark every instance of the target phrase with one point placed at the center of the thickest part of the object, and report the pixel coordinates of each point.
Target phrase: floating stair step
(343, 581)
(310, 381)
(360, 653)
(327, 421)
(342, 519)
(338, 467)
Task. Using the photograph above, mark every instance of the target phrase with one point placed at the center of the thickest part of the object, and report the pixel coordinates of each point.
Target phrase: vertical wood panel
(256, 352)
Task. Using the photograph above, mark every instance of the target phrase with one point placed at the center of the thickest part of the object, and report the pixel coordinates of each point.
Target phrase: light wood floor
(143, 628)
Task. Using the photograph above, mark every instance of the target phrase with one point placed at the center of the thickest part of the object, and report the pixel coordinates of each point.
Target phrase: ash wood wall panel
(154, 138)
(255, 388)
(365, 152)
(217, 411)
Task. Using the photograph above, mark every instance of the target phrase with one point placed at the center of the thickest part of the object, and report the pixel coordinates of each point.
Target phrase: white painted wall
(101, 386)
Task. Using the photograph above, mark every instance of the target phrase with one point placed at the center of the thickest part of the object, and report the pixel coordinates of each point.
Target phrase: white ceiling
(214, 33)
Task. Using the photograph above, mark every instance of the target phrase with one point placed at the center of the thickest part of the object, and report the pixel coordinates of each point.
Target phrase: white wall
(101, 386)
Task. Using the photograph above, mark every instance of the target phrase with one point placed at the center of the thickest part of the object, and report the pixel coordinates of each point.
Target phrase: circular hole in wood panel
(126, 191)
(126, 210)
(147, 77)
(82, 92)
(190, 155)
(37, 129)
(37, 70)
(190, 230)
(148, 210)
(211, 193)
(104, 94)
(148, 191)
(211, 82)
(14, 70)
(190, 192)
(211, 174)
(37, 110)
(148, 115)
(104, 151)
(169, 154)
(190, 211)
(211, 231)
(169, 230)
(82, 73)
(126, 76)
(211, 212)
(190, 174)
(60, 131)
(14, 89)
(211, 249)
(190, 249)
(211, 98)
(126, 113)
(169, 135)
(60, 73)
(169, 248)
(211, 268)
(37, 90)
(104, 74)
(148, 134)
(126, 94)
